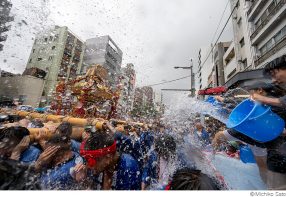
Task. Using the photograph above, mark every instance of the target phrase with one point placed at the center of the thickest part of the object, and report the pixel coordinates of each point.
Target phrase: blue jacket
(150, 169)
(75, 146)
(128, 176)
(30, 155)
(59, 177)
(126, 145)
(204, 138)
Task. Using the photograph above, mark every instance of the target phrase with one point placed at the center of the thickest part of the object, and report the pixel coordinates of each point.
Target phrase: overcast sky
(154, 35)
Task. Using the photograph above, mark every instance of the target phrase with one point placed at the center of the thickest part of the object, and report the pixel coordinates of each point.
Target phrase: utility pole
(193, 90)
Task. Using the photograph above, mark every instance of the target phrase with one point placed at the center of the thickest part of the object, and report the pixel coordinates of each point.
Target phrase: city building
(5, 18)
(158, 103)
(26, 89)
(128, 79)
(205, 68)
(267, 19)
(259, 28)
(56, 54)
(143, 102)
(144, 96)
(217, 78)
(229, 62)
(103, 50)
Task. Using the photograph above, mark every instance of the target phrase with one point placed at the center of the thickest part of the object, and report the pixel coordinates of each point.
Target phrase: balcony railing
(254, 3)
(271, 52)
(268, 18)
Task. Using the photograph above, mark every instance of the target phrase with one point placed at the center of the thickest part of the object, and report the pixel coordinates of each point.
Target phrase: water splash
(181, 117)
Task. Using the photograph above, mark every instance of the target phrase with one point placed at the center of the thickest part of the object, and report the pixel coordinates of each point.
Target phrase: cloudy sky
(154, 35)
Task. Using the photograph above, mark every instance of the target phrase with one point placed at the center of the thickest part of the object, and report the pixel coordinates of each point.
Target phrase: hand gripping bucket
(246, 155)
(256, 121)
(217, 105)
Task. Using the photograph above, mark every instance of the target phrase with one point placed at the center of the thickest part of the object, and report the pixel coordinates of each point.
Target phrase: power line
(218, 37)
(170, 81)
(220, 21)
(207, 55)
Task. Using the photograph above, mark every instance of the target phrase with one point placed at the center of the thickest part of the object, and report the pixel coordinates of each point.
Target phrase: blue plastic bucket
(213, 101)
(210, 99)
(255, 120)
(246, 155)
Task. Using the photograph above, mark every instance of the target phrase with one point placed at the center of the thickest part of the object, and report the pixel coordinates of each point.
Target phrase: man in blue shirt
(120, 171)
(56, 165)
(15, 144)
(201, 134)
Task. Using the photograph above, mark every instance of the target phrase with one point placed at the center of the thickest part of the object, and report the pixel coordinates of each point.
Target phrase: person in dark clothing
(159, 161)
(15, 144)
(271, 161)
(190, 179)
(276, 69)
(17, 176)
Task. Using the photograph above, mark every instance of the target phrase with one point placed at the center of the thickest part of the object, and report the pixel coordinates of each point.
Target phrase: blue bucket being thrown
(246, 155)
(213, 101)
(256, 121)
(210, 99)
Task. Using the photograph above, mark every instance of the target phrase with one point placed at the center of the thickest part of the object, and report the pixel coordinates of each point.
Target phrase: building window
(50, 58)
(51, 38)
(33, 50)
(30, 61)
(241, 42)
(53, 47)
(46, 39)
(40, 59)
(273, 41)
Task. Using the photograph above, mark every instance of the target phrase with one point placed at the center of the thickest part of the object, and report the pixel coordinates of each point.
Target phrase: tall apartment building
(103, 50)
(229, 62)
(259, 28)
(143, 97)
(205, 68)
(56, 54)
(217, 76)
(128, 79)
(268, 29)
(5, 18)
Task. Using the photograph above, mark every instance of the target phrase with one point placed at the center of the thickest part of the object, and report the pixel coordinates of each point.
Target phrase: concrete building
(5, 18)
(205, 68)
(27, 89)
(241, 35)
(267, 19)
(59, 53)
(259, 28)
(217, 76)
(103, 50)
(229, 62)
(144, 96)
(128, 79)
(143, 103)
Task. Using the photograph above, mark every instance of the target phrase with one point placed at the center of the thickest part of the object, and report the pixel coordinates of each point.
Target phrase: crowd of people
(115, 157)
(128, 157)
